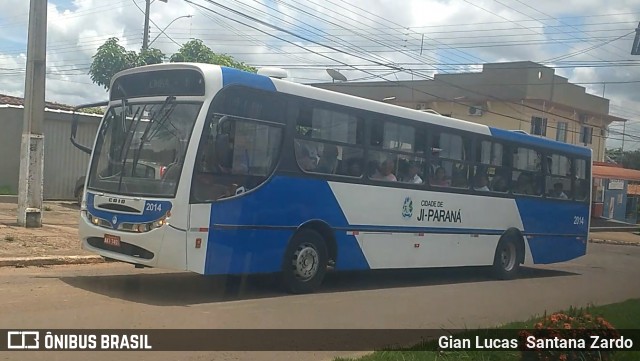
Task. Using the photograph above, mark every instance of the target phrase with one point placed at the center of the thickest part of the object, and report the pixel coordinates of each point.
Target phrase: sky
(364, 39)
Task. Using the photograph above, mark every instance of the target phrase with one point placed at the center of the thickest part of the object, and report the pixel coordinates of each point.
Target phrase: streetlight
(165, 28)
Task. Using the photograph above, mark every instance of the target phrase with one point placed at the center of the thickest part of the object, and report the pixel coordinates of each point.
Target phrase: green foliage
(94, 110)
(112, 57)
(150, 56)
(628, 159)
(6, 190)
(196, 52)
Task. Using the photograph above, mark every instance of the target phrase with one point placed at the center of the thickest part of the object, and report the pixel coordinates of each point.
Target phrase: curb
(617, 243)
(49, 261)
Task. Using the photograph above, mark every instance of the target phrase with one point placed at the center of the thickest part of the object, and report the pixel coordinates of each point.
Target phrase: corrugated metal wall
(63, 163)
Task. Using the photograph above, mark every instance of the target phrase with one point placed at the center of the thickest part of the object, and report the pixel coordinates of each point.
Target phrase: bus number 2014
(578, 220)
(154, 207)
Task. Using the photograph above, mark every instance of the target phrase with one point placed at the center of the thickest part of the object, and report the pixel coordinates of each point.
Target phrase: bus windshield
(140, 148)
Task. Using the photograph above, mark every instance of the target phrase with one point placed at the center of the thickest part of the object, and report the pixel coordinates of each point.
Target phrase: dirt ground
(57, 237)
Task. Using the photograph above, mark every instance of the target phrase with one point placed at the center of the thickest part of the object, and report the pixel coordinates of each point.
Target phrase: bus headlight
(143, 227)
(93, 220)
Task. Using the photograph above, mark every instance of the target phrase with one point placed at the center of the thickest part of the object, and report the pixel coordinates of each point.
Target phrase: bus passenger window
(582, 190)
(451, 153)
(558, 179)
(526, 176)
(234, 154)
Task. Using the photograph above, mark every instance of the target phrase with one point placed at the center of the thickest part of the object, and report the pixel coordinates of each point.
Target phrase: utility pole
(145, 39)
(635, 48)
(32, 146)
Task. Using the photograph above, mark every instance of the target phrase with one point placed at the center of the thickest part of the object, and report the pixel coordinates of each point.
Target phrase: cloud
(426, 36)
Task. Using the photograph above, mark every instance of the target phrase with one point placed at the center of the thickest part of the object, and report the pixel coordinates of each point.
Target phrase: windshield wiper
(127, 142)
(143, 139)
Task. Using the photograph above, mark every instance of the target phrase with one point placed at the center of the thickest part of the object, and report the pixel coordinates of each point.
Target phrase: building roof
(17, 101)
(509, 82)
(609, 172)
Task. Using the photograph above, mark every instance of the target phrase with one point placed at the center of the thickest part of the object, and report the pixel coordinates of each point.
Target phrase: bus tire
(305, 262)
(506, 262)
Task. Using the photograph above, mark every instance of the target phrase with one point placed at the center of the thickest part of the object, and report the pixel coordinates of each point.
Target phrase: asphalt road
(119, 296)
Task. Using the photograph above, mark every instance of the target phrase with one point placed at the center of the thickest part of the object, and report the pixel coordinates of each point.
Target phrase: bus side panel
(402, 228)
(250, 233)
(245, 251)
(557, 230)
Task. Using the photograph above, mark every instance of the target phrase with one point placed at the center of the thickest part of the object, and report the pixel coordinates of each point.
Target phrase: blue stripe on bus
(550, 249)
(236, 251)
(234, 76)
(526, 139)
(539, 217)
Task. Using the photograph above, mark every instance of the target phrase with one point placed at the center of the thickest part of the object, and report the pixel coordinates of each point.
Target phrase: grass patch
(6, 191)
(9, 238)
(47, 208)
(623, 315)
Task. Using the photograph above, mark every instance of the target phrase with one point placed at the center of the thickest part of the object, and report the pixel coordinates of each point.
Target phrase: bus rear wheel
(506, 262)
(305, 262)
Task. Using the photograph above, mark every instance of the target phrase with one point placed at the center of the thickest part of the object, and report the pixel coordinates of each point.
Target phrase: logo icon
(114, 220)
(23, 340)
(407, 208)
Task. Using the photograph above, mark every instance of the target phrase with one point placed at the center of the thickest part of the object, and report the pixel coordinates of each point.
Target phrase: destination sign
(175, 82)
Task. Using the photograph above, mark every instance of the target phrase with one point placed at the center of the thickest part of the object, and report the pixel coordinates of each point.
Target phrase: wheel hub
(305, 262)
(508, 257)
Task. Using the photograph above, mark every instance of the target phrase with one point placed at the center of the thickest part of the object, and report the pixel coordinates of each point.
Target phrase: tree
(195, 51)
(628, 159)
(112, 57)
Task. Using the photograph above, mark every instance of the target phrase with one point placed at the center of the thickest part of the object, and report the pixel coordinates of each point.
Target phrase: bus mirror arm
(74, 125)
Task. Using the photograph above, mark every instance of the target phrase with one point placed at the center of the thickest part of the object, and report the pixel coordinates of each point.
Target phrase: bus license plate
(112, 240)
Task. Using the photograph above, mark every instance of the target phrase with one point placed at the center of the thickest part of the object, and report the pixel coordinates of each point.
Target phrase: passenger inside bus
(440, 178)
(303, 155)
(499, 184)
(524, 185)
(481, 183)
(385, 171)
(412, 174)
(329, 159)
(354, 167)
(558, 192)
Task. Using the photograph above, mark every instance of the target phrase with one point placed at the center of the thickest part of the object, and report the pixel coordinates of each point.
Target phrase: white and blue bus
(218, 171)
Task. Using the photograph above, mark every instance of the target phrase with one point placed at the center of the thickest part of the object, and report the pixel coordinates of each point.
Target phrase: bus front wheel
(506, 263)
(305, 262)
